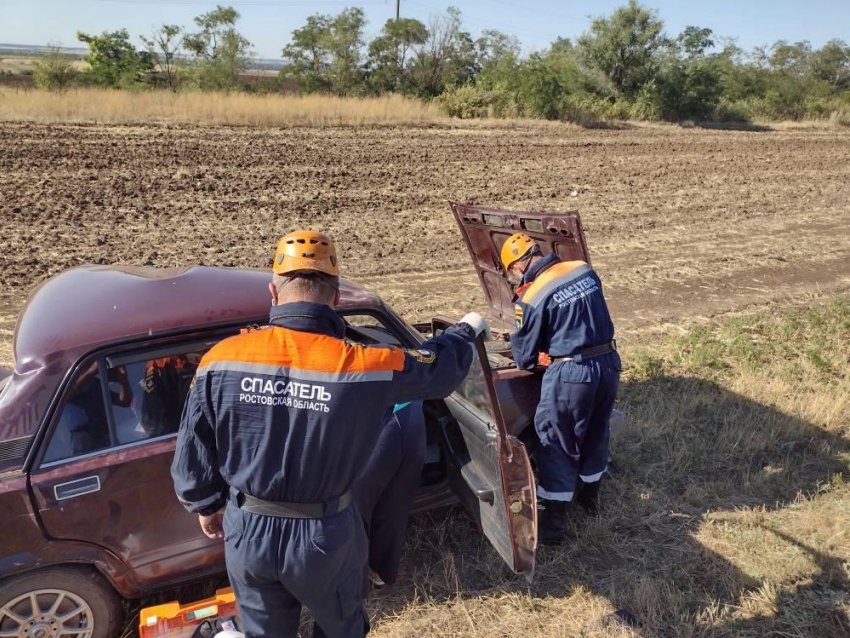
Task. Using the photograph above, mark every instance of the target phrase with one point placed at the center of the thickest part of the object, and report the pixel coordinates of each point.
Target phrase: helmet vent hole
(301, 241)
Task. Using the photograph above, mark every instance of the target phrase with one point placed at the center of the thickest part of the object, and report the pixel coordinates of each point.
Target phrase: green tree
(790, 59)
(625, 46)
(548, 78)
(346, 49)
(494, 46)
(498, 61)
(689, 83)
(53, 70)
(114, 61)
(693, 42)
(391, 54)
(221, 52)
(307, 55)
(163, 47)
(689, 89)
(325, 54)
(831, 64)
(446, 58)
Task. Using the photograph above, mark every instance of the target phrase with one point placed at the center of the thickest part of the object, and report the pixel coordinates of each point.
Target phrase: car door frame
(97, 463)
(517, 487)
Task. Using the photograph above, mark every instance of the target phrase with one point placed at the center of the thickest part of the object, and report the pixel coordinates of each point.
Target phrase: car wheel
(59, 601)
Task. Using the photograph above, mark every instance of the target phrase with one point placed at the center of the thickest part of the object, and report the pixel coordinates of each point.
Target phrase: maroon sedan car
(104, 356)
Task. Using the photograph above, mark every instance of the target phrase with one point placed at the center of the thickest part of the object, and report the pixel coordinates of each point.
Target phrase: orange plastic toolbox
(173, 620)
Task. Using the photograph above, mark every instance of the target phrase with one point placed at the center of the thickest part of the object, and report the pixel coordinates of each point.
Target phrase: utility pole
(397, 9)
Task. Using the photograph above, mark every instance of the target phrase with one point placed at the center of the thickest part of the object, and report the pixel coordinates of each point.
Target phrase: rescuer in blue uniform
(277, 428)
(562, 321)
(386, 491)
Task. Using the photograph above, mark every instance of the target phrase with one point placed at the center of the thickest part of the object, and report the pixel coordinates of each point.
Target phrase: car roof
(94, 306)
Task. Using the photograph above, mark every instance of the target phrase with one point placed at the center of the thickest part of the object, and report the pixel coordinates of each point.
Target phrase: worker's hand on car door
(212, 525)
(479, 324)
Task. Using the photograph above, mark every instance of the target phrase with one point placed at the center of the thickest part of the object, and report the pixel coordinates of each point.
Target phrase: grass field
(729, 517)
(110, 106)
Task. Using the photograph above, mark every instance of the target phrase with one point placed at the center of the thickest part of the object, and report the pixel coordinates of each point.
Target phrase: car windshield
(369, 329)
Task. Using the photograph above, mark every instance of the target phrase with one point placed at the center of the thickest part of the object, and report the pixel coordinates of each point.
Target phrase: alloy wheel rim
(46, 613)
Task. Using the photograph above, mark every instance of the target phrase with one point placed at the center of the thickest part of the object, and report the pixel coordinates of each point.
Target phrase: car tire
(59, 592)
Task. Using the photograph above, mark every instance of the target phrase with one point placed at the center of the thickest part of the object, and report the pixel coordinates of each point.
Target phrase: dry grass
(105, 106)
(21, 64)
(126, 107)
(729, 518)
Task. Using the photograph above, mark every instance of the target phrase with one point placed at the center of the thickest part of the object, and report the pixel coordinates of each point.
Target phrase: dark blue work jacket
(292, 412)
(560, 310)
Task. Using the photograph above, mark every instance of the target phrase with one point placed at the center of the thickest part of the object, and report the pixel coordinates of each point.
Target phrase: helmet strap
(531, 252)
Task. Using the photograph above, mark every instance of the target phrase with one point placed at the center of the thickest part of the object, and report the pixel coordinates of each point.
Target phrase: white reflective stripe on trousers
(555, 496)
(592, 478)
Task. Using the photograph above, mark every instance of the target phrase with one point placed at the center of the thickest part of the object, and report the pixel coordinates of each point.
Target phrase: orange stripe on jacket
(304, 351)
(551, 274)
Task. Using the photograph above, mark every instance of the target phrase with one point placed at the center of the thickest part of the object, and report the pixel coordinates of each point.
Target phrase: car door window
(160, 386)
(144, 394)
(474, 387)
(474, 390)
(82, 425)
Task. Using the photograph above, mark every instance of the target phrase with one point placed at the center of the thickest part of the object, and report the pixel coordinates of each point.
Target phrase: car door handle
(478, 485)
(72, 489)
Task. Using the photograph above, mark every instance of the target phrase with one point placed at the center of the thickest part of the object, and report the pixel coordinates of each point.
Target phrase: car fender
(25, 547)
(53, 553)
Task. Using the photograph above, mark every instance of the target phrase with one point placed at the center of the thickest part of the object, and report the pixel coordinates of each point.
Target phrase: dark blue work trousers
(572, 422)
(386, 490)
(276, 565)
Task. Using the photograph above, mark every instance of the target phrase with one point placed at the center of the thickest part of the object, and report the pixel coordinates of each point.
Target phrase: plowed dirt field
(682, 223)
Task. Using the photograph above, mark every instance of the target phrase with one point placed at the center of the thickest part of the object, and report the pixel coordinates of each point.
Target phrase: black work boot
(588, 496)
(553, 523)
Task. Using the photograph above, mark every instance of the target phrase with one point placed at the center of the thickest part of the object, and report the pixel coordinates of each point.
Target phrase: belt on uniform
(280, 509)
(589, 353)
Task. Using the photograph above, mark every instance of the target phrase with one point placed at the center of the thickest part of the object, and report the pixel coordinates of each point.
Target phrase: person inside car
(276, 430)
(82, 416)
(166, 383)
(562, 321)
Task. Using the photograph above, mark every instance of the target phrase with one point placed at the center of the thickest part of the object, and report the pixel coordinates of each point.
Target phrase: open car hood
(484, 231)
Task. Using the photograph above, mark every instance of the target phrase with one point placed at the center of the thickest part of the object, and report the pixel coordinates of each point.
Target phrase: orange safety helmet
(515, 248)
(305, 250)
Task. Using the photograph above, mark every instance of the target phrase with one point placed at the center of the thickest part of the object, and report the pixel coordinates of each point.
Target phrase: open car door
(484, 231)
(489, 469)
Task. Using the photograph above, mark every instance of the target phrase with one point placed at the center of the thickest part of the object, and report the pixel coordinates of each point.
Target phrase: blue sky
(269, 23)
